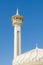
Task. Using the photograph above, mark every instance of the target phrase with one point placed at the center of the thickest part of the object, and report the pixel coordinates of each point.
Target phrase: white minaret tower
(17, 21)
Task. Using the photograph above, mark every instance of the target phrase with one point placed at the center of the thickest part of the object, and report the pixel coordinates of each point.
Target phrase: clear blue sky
(32, 28)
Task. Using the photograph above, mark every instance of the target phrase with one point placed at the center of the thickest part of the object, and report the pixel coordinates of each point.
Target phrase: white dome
(31, 56)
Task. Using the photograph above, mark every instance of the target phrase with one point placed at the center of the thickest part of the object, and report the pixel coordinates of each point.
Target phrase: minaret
(17, 21)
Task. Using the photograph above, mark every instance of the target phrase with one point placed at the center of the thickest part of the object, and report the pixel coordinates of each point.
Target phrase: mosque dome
(32, 57)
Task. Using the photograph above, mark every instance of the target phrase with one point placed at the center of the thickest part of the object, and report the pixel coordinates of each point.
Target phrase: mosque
(32, 57)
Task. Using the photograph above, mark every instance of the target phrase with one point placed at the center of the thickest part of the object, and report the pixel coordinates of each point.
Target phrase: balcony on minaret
(17, 19)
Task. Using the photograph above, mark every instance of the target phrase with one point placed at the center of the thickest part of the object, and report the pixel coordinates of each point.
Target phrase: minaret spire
(17, 12)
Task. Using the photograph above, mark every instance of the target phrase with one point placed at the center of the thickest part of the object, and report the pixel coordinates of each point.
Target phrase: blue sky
(32, 28)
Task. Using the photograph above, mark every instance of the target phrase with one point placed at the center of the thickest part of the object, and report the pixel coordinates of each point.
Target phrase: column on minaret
(17, 21)
(17, 40)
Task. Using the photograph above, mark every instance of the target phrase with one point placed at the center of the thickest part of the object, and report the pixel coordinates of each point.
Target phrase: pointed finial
(17, 12)
(36, 46)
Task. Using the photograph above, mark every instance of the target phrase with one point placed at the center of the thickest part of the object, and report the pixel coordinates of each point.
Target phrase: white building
(32, 57)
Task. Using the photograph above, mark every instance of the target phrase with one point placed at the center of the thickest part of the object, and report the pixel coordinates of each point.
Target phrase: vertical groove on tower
(18, 42)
